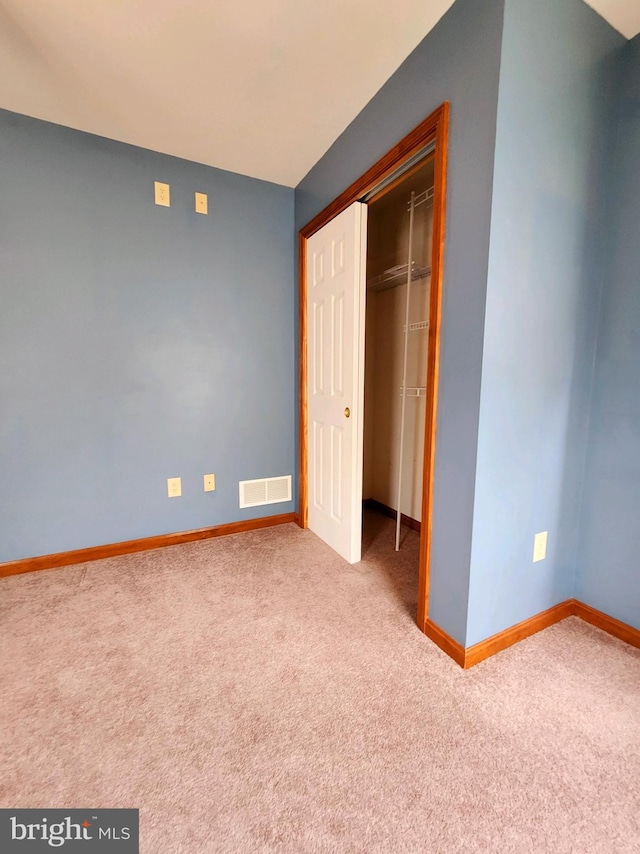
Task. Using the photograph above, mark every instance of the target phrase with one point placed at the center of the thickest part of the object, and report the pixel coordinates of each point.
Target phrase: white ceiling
(261, 87)
(624, 15)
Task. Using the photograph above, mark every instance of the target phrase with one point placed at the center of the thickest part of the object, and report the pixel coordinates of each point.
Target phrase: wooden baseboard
(467, 657)
(446, 643)
(389, 511)
(33, 564)
(503, 640)
(608, 624)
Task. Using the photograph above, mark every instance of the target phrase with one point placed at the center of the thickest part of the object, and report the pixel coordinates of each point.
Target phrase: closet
(399, 243)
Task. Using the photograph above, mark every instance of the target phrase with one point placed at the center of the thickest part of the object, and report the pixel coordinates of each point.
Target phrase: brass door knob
(347, 412)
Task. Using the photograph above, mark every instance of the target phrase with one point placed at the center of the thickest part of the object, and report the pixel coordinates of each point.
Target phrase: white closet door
(336, 286)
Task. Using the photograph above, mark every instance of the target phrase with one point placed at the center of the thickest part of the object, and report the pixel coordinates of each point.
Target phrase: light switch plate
(202, 203)
(162, 194)
(540, 546)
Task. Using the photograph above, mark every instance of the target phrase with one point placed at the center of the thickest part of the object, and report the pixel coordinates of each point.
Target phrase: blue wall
(557, 80)
(139, 343)
(459, 62)
(608, 575)
(136, 342)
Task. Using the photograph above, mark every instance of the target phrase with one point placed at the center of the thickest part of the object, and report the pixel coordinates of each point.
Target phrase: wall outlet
(201, 203)
(174, 487)
(162, 194)
(209, 483)
(540, 546)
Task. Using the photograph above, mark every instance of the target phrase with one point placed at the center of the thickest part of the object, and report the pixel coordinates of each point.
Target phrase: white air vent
(267, 490)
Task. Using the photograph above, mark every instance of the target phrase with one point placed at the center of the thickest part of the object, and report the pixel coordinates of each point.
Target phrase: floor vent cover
(266, 490)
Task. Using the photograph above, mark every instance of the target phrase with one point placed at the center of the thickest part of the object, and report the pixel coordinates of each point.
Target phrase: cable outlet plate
(209, 483)
(202, 206)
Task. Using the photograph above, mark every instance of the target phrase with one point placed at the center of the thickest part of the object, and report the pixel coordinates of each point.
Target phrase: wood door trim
(303, 447)
(433, 360)
(435, 128)
(418, 138)
(400, 179)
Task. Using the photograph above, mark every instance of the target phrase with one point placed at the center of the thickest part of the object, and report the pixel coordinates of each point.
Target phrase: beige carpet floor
(254, 693)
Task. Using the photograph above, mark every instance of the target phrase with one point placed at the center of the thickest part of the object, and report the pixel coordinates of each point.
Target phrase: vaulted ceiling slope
(623, 15)
(262, 87)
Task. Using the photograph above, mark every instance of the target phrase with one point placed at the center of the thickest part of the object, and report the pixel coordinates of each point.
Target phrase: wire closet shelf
(412, 272)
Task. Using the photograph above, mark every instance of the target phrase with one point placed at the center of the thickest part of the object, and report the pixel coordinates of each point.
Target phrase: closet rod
(404, 369)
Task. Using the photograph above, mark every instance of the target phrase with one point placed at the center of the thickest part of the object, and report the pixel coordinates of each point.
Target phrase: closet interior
(399, 242)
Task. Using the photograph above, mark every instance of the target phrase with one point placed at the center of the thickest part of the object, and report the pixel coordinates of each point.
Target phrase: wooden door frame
(435, 128)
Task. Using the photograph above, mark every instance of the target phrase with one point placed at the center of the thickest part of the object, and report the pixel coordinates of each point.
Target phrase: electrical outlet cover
(174, 487)
(540, 546)
(162, 194)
